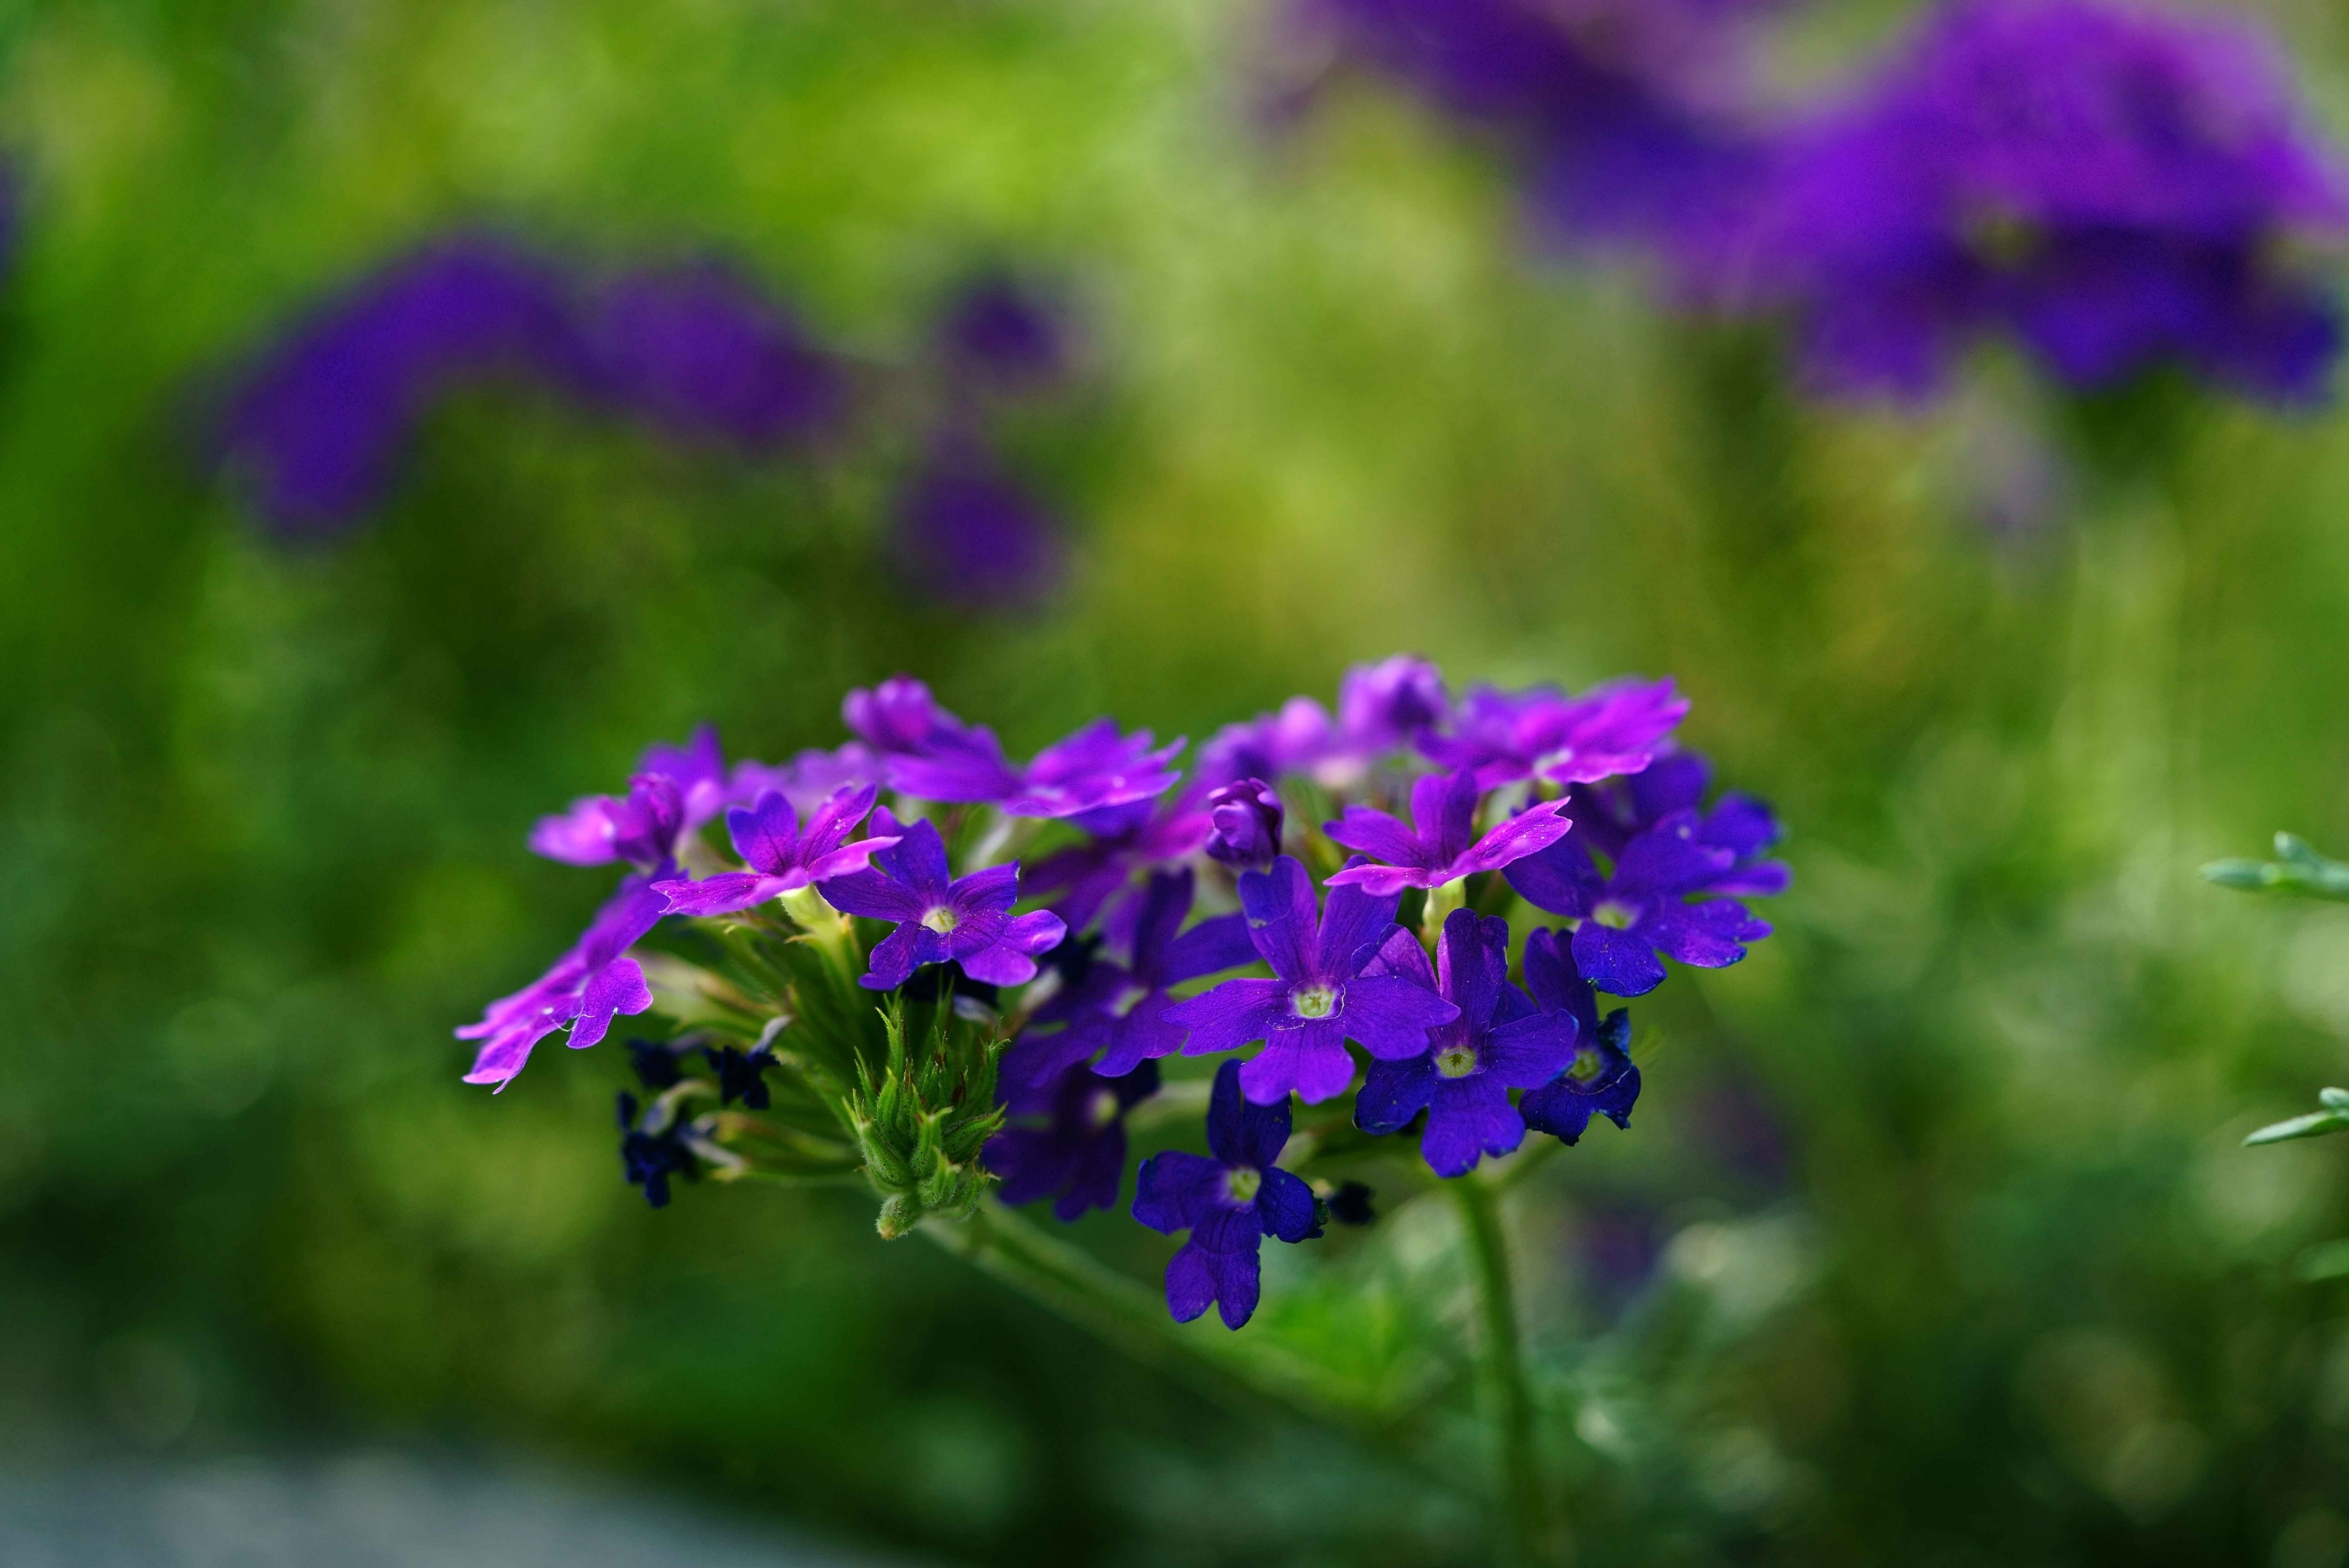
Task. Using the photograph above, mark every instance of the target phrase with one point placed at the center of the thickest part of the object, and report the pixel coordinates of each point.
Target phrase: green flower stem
(1236, 1370)
(1533, 1536)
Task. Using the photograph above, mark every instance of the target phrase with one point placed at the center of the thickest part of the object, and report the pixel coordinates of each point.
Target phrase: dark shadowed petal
(1559, 879)
(1278, 904)
(1469, 969)
(1237, 1271)
(1557, 986)
(1529, 1052)
(1467, 1118)
(1668, 859)
(1393, 1092)
(1144, 1035)
(1175, 1189)
(1231, 1016)
(1165, 905)
(1353, 924)
(1256, 1134)
(1210, 947)
(1709, 935)
(1616, 963)
(1285, 1204)
(898, 955)
(1190, 1283)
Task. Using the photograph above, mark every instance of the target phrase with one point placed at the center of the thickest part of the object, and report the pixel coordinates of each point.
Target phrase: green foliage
(2299, 869)
(923, 1112)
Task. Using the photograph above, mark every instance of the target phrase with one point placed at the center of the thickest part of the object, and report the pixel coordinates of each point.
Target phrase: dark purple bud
(1246, 816)
(1003, 337)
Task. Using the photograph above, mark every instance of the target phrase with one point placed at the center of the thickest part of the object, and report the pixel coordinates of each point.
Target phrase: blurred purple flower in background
(319, 424)
(2110, 185)
(997, 334)
(699, 351)
(967, 533)
(1618, 113)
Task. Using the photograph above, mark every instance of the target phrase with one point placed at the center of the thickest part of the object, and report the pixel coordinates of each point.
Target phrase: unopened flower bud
(1247, 821)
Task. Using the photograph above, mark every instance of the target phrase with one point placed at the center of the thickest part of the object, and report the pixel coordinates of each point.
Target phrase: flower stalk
(1533, 1537)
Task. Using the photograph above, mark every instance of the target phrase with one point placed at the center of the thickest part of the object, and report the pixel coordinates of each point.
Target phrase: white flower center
(1126, 1000)
(1314, 1001)
(1100, 1109)
(1242, 1184)
(1586, 1065)
(941, 920)
(1457, 1061)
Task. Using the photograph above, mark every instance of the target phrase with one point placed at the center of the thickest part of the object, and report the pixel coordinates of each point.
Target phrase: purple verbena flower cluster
(1045, 938)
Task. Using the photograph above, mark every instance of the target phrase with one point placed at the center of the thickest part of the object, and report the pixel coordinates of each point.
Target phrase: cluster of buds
(967, 987)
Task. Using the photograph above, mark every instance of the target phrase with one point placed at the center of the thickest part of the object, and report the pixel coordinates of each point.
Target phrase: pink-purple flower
(1542, 733)
(587, 986)
(1441, 845)
(1229, 1201)
(781, 857)
(1326, 994)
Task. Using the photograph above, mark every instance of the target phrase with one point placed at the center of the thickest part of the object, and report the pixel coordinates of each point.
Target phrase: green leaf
(2316, 1124)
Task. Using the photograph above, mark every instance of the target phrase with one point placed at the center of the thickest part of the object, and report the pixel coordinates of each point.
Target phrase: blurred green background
(1955, 1258)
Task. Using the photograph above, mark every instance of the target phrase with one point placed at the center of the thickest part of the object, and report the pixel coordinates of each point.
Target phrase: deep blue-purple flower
(781, 858)
(319, 424)
(2112, 186)
(1606, 816)
(1066, 1137)
(1599, 1079)
(1441, 845)
(1499, 1042)
(698, 351)
(1229, 1202)
(1326, 992)
(1117, 1012)
(1625, 918)
(996, 335)
(742, 1075)
(1095, 768)
(653, 1149)
(941, 919)
(1121, 840)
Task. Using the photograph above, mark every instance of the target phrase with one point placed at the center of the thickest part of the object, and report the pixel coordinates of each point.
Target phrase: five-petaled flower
(941, 919)
(641, 827)
(1326, 994)
(1599, 1080)
(1229, 1202)
(1066, 1140)
(1500, 1042)
(1117, 1012)
(782, 858)
(1441, 845)
(1622, 921)
(1608, 816)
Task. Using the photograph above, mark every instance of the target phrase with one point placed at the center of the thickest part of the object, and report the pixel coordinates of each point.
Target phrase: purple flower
(700, 352)
(1606, 816)
(996, 336)
(1391, 704)
(2109, 184)
(1117, 1012)
(319, 424)
(1067, 1138)
(900, 718)
(1326, 992)
(586, 987)
(641, 828)
(1599, 1080)
(939, 920)
(1229, 1203)
(742, 1075)
(1441, 846)
(1543, 733)
(1093, 768)
(781, 858)
(1461, 1080)
(1613, 110)
(1122, 839)
(1299, 739)
(967, 533)
(1625, 918)
(650, 1154)
(1248, 820)
(698, 766)
(809, 778)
